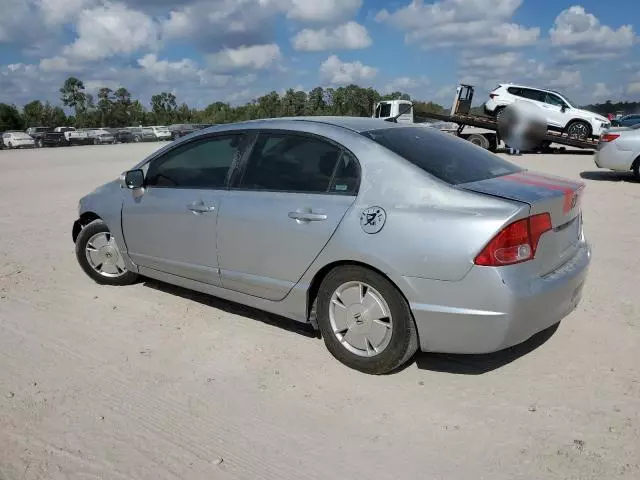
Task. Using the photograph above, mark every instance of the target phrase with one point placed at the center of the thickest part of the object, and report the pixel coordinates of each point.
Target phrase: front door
(170, 224)
(553, 107)
(293, 192)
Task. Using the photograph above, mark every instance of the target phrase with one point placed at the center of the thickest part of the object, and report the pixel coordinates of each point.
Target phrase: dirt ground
(154, 382)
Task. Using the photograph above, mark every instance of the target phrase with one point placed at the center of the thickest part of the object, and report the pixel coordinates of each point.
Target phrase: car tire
(38, 143)
(10, 145)
(578, 129)
(136, 139)
(379, 345)
(479, 140)
(636, 169)
(95, 237)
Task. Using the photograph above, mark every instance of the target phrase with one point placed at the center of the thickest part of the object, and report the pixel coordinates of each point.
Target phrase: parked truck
(66, 136)
(478, 129)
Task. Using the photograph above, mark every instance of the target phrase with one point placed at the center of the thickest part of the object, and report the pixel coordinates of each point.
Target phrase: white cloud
(350, 36)
(61, 12)
(406, 84)
(576, 29)
(223, 23)
(601, 91)
(581, 38)
(633, 88)
(55, 64)
(449, 23)
(323, 10)
(337, 72)
(110, 30)
(566, 79)
(256, 57)
(163, 70)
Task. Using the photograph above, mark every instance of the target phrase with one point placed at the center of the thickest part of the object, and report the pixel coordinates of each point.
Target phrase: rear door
(290, 196)
(170, 224)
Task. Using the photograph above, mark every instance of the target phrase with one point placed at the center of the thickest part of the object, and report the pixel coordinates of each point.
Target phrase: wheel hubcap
(578, 129)
(103, 255)
(360, 319)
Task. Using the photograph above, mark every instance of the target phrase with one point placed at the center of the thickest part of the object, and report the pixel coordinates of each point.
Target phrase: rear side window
(532, 94)
(298, 163)
(444, 156)
(515, 91)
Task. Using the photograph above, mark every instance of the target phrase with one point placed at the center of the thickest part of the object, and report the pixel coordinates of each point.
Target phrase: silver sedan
(619, 150)
(386, 238)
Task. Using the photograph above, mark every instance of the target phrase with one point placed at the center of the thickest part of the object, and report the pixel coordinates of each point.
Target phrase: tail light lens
(515, 243)
(609, 137)
(493, 95)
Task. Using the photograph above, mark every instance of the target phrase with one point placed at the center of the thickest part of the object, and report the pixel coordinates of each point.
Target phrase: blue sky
(236, 50)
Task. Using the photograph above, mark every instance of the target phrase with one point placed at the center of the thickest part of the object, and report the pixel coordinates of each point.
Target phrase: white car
(560, 113)
(619, 150)
(161, 132)
(17, 140)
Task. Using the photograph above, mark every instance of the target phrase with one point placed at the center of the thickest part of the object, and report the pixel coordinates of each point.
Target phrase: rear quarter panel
(432, 230)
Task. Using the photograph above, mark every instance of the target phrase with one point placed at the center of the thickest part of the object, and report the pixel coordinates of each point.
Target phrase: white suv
(561, 114)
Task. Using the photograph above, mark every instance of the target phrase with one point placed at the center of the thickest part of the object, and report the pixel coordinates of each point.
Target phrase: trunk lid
(559, 197)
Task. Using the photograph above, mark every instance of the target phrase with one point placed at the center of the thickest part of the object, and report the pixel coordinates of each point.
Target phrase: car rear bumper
(612, 158)
(486, 312)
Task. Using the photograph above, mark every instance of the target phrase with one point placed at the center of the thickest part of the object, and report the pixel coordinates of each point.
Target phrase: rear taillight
(515, 243)
(609, 137)
(493, 95)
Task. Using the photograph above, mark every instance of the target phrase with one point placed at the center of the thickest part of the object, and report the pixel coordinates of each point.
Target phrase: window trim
(200, 139)
(251, 143)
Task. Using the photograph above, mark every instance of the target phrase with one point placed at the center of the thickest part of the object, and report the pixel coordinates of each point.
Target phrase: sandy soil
(154, 382)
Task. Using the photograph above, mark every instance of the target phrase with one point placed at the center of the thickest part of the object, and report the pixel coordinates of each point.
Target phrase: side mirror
(563, 108)
(134, 179)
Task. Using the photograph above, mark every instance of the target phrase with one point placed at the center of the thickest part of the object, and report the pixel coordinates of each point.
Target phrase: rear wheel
(365, 322)
(479, 140)
(579, 129)
(636, 169)
(10, 145)
(99, 256)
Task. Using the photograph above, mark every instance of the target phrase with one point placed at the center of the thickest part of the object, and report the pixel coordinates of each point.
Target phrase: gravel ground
(154, 382)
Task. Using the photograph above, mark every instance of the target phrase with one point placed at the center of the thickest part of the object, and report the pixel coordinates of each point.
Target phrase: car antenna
(394, 119)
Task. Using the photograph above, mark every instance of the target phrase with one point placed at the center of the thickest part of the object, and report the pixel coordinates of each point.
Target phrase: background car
(355, 225)
(561, 114)
(619, 150)
(101, 136)
(143, 134)
(161, 132)
(123, 135)
(626, 121)
(17, 140)
(38, 133)
(178, 131)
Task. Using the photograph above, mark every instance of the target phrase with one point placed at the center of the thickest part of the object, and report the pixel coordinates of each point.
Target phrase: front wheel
(99, 256)
(636, 169)
(579, 129)
(365, 321)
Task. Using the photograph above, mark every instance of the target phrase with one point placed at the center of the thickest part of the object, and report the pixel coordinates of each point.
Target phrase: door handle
(307, 216)
(199, 207)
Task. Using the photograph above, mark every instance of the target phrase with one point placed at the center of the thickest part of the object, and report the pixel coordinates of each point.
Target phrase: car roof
(354, 124)
(532, 88)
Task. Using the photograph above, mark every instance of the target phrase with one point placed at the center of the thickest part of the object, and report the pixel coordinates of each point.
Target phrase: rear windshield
(442, 155)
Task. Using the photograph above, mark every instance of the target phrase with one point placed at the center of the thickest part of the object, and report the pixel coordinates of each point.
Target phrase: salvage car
(17, 140)
(141, 134)
(123, 135)
(100, 136)
(619, 150)
(38, 133)
(388, 238)
(66, 136)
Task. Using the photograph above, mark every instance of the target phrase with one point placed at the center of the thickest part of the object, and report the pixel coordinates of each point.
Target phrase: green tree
(105, 106)
(269, 105)
(121, 114)
(73, 94)
(315, 104)
(33, 114)
(10, 118)
(163, 107)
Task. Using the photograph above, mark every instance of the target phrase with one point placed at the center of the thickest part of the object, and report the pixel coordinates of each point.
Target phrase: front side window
(296, 163)
(554, 100)
(200, 164)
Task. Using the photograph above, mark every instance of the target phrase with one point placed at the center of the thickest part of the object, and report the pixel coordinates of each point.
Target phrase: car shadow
(482, 363)
(234, 308)
(436, 362)
(608, 176)
(551, 151)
